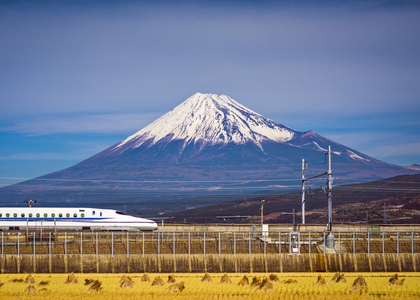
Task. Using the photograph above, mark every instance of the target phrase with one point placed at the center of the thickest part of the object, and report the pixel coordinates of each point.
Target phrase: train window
(22, 215)
(75, 215)
(1, 215)
(100, 214)
(45, 215)
(53, 215)
(68, 215)
(93, 213)
(15, 215)
(82, 215)
(120, 213)
(7, 215)
(30, 215)
(60, 215)
(38, 215)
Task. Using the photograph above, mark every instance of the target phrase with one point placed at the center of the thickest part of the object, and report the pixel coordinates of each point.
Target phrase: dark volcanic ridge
(392, 201)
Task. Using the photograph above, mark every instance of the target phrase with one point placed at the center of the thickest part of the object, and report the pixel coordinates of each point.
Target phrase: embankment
(210, 263)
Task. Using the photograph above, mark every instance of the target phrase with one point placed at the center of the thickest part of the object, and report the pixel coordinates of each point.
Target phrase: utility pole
(262, 213)
(303, 191)
(329, 190)
(294, 217)
(384, 212)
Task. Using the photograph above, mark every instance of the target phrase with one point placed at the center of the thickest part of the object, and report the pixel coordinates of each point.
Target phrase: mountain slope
(209, 143)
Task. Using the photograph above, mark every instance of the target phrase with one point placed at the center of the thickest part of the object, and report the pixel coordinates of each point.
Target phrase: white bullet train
(70, 219)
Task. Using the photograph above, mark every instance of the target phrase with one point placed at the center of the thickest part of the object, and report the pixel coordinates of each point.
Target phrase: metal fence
(204, 243)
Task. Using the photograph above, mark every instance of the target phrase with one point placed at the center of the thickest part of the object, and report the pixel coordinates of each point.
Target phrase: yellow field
(304, 288)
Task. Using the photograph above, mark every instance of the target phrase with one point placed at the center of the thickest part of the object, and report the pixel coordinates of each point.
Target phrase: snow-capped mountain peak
(209, 143)
(210, 119)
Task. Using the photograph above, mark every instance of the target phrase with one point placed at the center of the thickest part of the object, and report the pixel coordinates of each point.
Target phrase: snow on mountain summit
(210, 119)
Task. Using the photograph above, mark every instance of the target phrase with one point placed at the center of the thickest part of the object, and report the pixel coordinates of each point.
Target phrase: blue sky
(79, 76)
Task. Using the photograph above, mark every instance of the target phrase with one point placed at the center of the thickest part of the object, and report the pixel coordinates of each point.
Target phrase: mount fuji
(209, 144)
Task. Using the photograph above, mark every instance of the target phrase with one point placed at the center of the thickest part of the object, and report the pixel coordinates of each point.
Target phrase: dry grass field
(190, 286)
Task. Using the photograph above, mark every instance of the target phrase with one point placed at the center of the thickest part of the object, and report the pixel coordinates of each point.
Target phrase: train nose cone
(154, 225)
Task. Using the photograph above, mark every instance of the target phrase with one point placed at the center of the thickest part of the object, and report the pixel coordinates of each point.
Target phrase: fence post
(234, 243)
(310, 244)
(324, 243)
(81, 244)
(398, 243)
(143, 244)
(250, 245)
(174, 242)
(354, 243)
(204, 236)
(158, 239)
(368, 243)
(65, 243)
(339, 243)
(412, 243)
(128, 244)
(34, 244)
(220, 250)
(189, 243)
(383, 243)
(279, 243)
(49, 244)
(112, 244)
(18, 243)
(2, 244)
(265, 244)
(243, 238)
(97, 246)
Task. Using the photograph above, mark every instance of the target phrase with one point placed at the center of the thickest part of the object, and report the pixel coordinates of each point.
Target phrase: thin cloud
(85, 124)
(388, 146)
(408, 149)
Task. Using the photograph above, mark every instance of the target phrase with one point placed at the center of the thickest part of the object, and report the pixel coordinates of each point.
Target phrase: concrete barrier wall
(210, 263)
